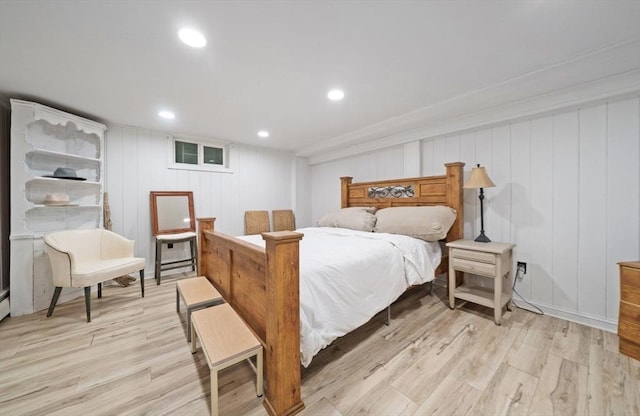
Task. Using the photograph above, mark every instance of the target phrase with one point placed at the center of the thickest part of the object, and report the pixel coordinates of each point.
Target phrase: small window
(213, 155)
(197, 154)
(186, 152)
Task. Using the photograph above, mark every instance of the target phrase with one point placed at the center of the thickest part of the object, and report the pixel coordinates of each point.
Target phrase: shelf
(63, 136)
(478, 294)
(63, 156)
(51, 181)
(41, 206)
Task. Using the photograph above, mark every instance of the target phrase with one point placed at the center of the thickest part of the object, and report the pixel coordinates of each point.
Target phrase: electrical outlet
(522, 265)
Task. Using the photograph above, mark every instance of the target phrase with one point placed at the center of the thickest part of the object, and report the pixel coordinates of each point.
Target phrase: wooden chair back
(256, 222)
(283, 220)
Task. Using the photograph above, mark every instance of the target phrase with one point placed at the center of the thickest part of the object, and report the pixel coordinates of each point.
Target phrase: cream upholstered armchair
(82, 258)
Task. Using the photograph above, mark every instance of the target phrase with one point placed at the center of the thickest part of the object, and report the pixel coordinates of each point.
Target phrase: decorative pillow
(355, 218)
(429, 223)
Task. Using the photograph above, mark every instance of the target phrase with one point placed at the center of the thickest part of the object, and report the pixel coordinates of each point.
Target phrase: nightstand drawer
(471, 266)
(473, 255)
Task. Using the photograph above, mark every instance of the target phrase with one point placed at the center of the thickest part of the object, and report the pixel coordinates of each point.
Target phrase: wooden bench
(225, 341)
(196, 293)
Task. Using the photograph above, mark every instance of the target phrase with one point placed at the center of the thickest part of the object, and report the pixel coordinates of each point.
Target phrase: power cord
(537, 311)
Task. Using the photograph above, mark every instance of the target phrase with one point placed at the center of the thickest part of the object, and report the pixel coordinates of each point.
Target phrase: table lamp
(480, 179)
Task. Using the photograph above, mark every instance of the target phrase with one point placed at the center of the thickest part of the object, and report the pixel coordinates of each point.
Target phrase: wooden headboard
(428, 190)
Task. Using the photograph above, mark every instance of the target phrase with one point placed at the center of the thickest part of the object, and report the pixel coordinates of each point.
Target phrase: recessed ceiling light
(192, 37)
(167, 114)
(335, 95)
(263, 134)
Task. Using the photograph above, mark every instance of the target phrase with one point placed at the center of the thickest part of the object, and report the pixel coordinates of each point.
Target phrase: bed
(260, 277)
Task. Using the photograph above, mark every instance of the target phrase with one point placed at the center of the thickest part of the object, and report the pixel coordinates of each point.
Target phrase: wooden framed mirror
(172, 212)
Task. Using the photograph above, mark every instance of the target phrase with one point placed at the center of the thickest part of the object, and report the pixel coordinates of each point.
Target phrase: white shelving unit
(43, 139)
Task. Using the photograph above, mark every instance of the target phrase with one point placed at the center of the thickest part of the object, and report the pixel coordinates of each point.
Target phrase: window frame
(201, 165)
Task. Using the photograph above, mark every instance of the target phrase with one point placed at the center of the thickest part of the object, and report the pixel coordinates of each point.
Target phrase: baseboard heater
(5, 309)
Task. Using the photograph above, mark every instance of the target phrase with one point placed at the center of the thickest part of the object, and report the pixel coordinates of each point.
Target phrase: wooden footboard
(262, 285)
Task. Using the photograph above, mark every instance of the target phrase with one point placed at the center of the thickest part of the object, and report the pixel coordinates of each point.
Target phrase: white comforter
(348, 276)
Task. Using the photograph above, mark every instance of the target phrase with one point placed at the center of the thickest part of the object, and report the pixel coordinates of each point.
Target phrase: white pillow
(430, 223)
(355, 218)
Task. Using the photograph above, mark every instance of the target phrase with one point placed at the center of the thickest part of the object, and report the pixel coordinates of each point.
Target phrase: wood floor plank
(451, 397)
(453, 334)
(321, 407)
(384, 400)
(531, 347)
(510, 392)
(484, 357)
(561, 389)
(613, 388)
(572, 342)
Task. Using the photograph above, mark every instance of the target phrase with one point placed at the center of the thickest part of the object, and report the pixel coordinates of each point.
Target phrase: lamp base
(482, 238)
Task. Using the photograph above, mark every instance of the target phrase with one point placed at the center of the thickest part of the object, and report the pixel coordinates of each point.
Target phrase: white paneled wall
(137, 160)
(325, 177)
(567, 194)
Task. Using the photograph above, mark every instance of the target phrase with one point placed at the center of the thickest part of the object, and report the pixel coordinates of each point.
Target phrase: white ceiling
(269, 64)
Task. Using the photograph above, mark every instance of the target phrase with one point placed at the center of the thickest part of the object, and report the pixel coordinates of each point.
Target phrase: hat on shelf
(65, 173)
(57, 199)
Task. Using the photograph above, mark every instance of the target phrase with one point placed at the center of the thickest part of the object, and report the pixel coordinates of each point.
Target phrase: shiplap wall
(136, 163)
(325, 177)
(567, 194)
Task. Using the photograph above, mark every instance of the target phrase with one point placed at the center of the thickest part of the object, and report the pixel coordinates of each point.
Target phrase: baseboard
(588, 320)
(592, 321)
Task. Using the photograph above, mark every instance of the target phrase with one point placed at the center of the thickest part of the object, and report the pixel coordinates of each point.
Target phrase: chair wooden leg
(99, 290)
(142, 281)
(54, 300)
(194, 249)
(87, 301)
(158, 261)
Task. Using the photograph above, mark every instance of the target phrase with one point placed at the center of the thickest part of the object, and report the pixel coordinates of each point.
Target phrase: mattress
(348, 276)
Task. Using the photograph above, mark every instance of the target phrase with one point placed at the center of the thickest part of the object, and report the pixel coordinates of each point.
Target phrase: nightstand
(492, 260)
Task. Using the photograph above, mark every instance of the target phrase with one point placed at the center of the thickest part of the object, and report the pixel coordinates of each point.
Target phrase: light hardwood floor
(133, 359)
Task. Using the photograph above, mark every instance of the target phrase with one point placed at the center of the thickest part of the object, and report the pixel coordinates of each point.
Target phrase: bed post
(204, 224)
(282, 349)
(454, 198)
(455, 176)
(345, 181)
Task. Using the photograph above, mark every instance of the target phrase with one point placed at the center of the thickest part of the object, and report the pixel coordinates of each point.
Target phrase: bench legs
(259, 373)
(213, 372)
(214, 392)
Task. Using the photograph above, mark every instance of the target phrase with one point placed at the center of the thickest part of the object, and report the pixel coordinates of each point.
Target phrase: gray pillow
(355, 218)
(431, 223)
